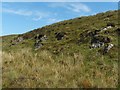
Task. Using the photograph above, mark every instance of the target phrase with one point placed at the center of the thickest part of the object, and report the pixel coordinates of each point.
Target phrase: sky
(21, 17)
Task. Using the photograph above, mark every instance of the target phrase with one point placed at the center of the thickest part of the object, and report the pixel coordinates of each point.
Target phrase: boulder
(40, 37)
(106, 32)
(106, 40)
(99, 41)
(38, 40)
(92, 33)
(95, 40)
(107, 48)
(106, 28)
(59, 35)
(16, 40)
(38, 45)
(19, 39)
(106, 19)
(97, 45)
(43, 38)
(111, 24)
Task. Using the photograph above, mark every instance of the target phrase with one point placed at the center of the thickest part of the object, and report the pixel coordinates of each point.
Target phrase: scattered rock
(106, 19)
(96, 43)
(44, 38)
(107, 48)
(38, 39)
(16, 40)
(106, 40)
(20, 39)
(38, 36)
(59, 35)
(38, 45)
(106, 32)
(93, 33)
(118, 31)
(106, 28)
(99, 41)
(111, 24)
(86, 35)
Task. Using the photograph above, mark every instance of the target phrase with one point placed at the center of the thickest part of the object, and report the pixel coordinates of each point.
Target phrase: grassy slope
(62, 63)
(26, 69)
(73, 28)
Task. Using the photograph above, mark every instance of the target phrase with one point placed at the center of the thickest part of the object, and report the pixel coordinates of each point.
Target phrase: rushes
(27, 69)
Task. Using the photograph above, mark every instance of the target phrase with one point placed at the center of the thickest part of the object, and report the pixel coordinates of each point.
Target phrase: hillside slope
(66, 34)
(82, 51)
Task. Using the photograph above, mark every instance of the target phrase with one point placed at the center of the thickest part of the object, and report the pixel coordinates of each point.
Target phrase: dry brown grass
(26, 69)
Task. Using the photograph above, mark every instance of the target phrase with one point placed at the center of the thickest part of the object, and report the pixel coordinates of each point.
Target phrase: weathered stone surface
(106, 19)
(20, 39)
(97, 45)
(111, 24)
(107, 48)
(44, 38)
(38, 36)
(118, 31)
(59, 35)
(38, 41)
(16, 40)
(41, 37)
(93, 33)
(106, 28)
(38, 45)
(99, 41)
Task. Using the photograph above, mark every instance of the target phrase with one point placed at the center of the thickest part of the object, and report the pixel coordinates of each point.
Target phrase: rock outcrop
(59, 35)
(38, 41)
(17, 40)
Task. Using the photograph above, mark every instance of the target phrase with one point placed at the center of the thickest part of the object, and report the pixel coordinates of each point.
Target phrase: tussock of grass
(27, 69)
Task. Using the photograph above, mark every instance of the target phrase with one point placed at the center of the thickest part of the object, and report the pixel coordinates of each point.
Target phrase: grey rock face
(107, 48)
(97, 45)
(16, 40)
(59, 35)
(99, 41)
(20, 39)
(41, 37)
(38, 41)
(44, 38)
(38, 45)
